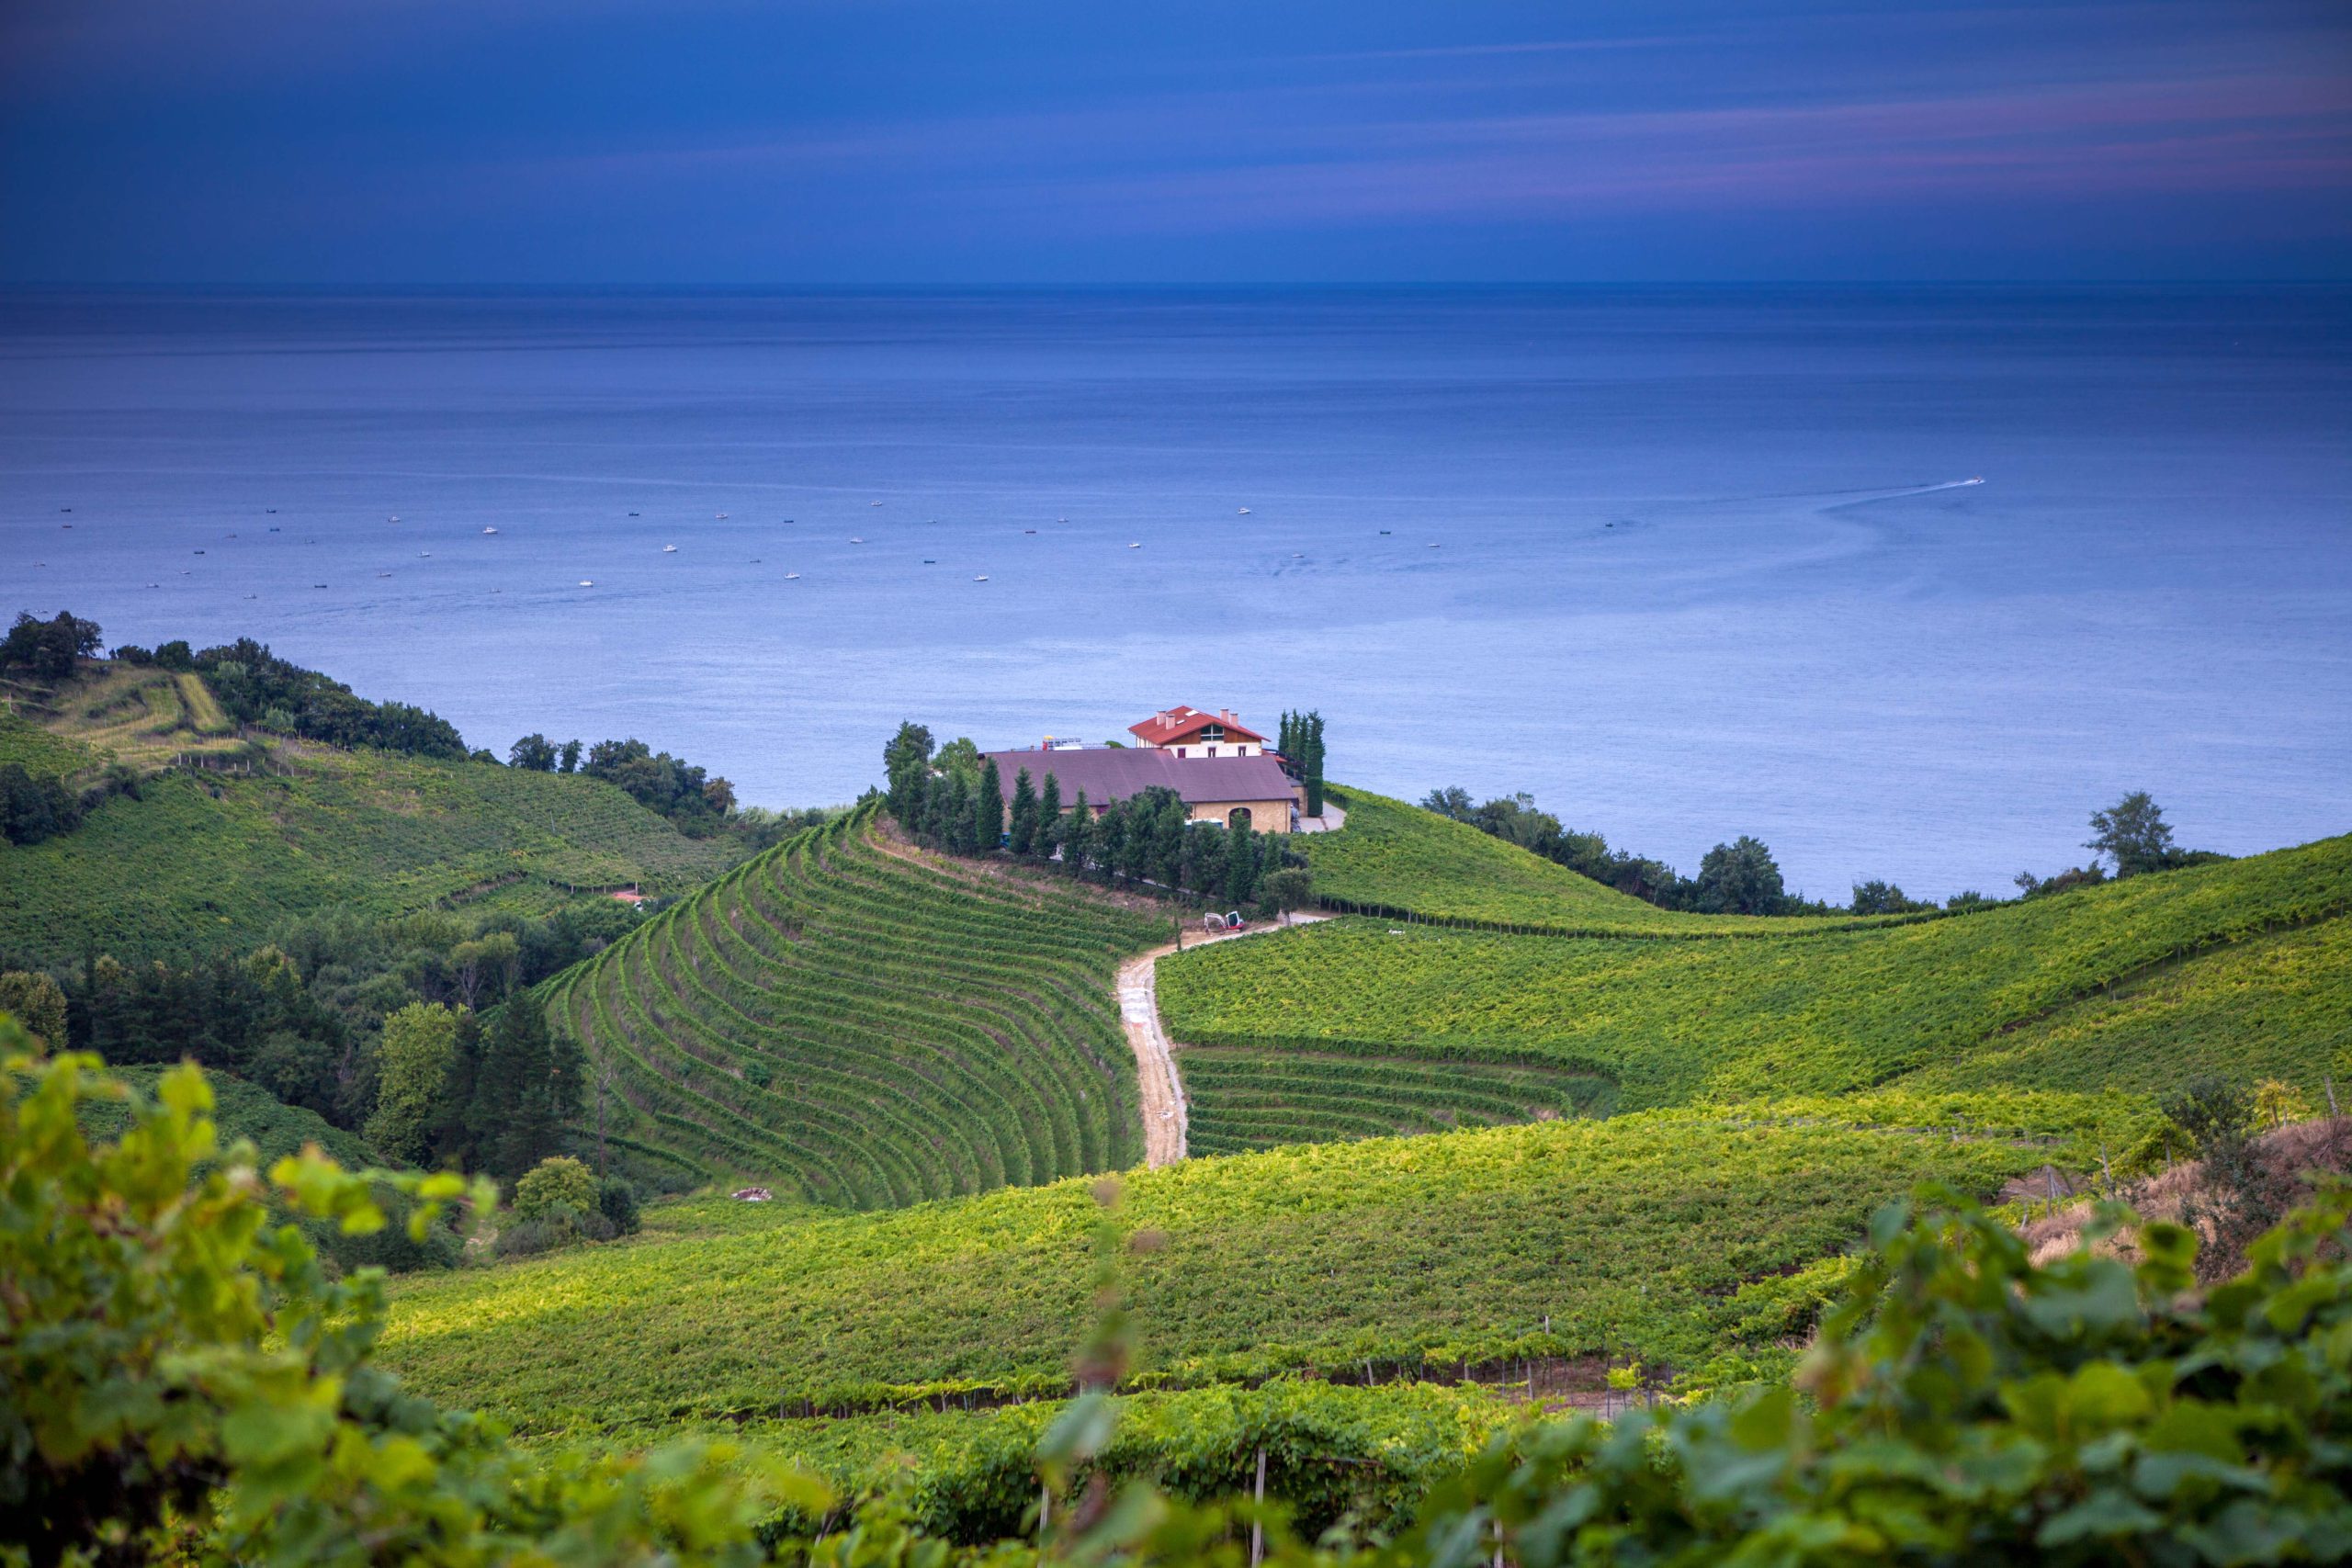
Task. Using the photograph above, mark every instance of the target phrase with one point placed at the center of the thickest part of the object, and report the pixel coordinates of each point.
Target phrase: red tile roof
(1167, 728)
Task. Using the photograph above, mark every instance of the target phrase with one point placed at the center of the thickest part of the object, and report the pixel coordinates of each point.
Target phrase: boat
(982, 578)
(632, 514)
(927, 560)
(1028, 530)
(383, 574)
(426, 554)
(1137, 546)
(872, 504)
(490, 530)
(856, 540)
(200, 552)
(273, 512)
(1243, 513)
(394, 518)
(1295, 555)
(1061, 519)
(1433, 546)
(66, 525)
(273, 528)
(1384, 532)
(792, 576)
(668, 550)
(587, 582)
(722, 517)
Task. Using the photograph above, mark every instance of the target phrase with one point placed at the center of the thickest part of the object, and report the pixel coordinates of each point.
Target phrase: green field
(138, 715)
(870, 1025)
(203, 858)
(1397, 860)
(1630, 1237)
(1675, 1022)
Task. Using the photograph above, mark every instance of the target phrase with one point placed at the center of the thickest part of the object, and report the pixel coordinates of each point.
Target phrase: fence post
(1256, 1526)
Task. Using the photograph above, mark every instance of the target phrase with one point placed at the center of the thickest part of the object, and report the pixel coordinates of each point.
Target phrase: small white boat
(426, 554)
(668, 550)
(856, 540)
(792, 576)
(490, 530)
(722, 516)
(383, 574)
(1295, 555)
(1433, 546)
(983, 578)
(394, 518)
(1137, 546)
(872, 504)
(587, 582)
(1243, 513)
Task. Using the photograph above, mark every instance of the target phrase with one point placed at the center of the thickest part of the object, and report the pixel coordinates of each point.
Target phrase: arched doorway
(1237, 818)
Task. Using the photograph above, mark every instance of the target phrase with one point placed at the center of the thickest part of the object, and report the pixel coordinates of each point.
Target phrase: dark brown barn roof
(1120, 771)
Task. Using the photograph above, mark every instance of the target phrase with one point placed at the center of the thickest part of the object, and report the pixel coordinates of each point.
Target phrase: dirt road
(1164, 1110)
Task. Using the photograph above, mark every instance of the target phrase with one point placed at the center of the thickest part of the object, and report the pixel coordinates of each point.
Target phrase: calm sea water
(1682, 564)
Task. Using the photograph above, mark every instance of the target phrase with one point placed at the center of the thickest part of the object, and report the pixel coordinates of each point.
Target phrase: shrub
(617, 1202)
(558, 1181)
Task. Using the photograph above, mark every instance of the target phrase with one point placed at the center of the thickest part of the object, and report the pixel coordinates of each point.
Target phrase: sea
(1903, 581)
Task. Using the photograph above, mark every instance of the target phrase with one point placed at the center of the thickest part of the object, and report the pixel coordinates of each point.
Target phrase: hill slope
(202, 858)
(1631, 1236)
(1397, 860)
(870, 1023)
(1672, 1022)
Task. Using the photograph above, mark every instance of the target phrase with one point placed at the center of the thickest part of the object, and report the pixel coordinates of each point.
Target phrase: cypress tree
(1240, 863)
(987, 811)
(1050, 817)
(1025, 816)
(1076, 833)
(955, 831)
(1311, 743)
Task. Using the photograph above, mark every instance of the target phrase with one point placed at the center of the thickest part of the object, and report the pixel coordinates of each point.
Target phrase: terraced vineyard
(200, 858)
(1399, 860)
(873, 1025)
(2273, 1007)
(1667, 1238)
(140, 717)
(1673, 1021)
(1242, 1099)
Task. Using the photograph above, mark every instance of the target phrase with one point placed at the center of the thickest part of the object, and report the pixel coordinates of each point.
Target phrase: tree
(570, 760)
(1076, 832)
(48, 647)
(534, 752)
(414, 1066)
(1311, 743)
(1452, 801)
(558, 1181)
(2132, 832)
(1025, 815)
(493, 954)
(1242, 858)
(988, 810)
(1738, 878)
(1050, 817)
(1875, 897)
(528, 1086)
(1292, 887)
(38, 1003)
(906, 762)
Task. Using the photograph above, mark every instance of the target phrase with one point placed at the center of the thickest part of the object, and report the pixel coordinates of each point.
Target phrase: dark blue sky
(872, 143)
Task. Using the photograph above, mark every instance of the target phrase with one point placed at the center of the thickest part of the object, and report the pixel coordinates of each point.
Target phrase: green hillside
(2272, 1007)
(1674, 1022)
(201, 858)
(872, 1024)
(242, 1111)
(1629, 1238)
(1399, 860)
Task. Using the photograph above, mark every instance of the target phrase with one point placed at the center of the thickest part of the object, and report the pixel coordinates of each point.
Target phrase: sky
(650, 143)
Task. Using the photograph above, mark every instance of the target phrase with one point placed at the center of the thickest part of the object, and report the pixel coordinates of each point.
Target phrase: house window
(1179, 751)
(1213, 732)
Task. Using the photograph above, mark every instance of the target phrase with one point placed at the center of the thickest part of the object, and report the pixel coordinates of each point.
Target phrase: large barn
(1219, 768)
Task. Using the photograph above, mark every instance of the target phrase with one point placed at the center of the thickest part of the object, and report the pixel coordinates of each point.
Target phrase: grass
(202, 859)
(869, 1024)
(1399, 860)
(1672, 1022)
(42, 753)
(1629, 1237)
(138, 715)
